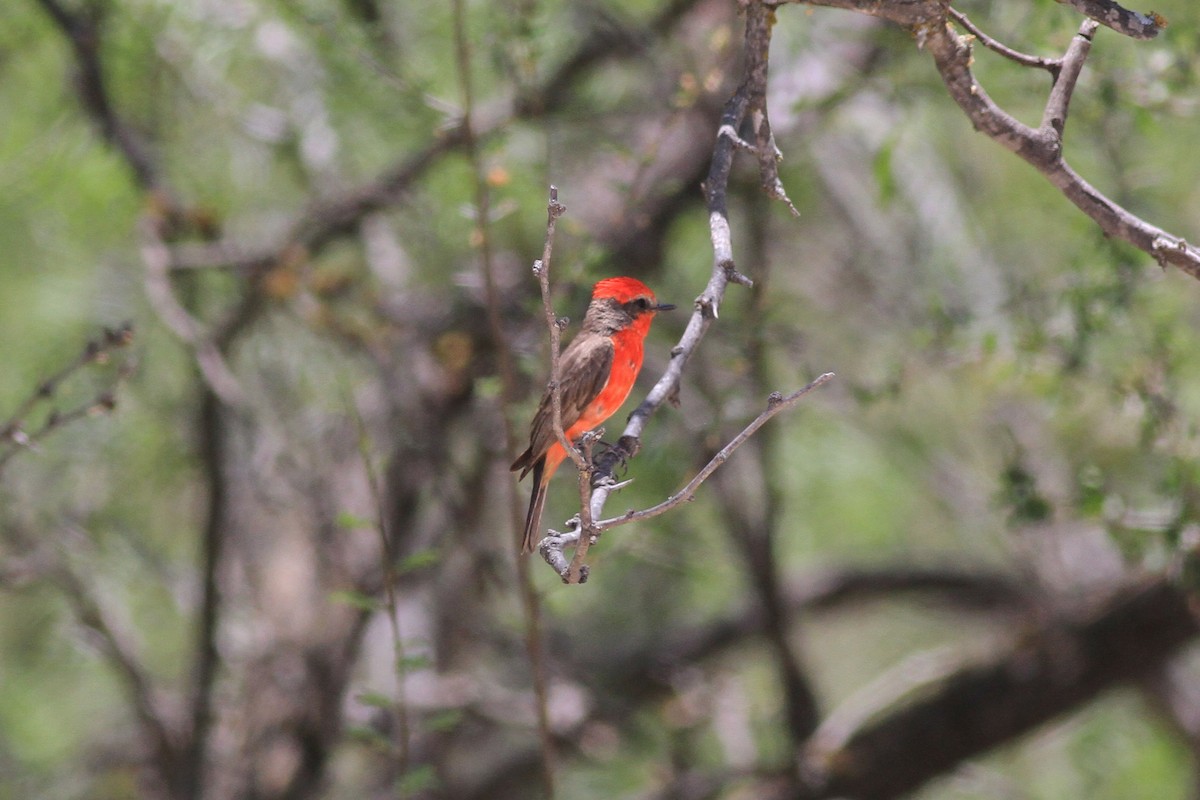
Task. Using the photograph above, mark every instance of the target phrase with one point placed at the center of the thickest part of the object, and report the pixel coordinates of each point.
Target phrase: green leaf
(365, 734)
(354, 599)
(374, 699)
(418, 779)
(885, 179)
(352, 521)
(488, 386)
(444, 721)
(418, 560)
(412, 663)
(989, 343)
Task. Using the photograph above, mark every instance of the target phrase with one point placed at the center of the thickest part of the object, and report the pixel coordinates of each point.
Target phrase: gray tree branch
(1041, 147)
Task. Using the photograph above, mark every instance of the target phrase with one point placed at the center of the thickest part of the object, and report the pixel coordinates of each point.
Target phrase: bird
(596, 374)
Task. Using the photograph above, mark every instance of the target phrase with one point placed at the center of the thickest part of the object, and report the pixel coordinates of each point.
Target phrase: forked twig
(1052, 65)
(14, 435)
(552, 547)
(776, 403)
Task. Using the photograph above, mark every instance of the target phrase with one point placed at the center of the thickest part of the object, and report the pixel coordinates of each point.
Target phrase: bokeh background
(193, 585)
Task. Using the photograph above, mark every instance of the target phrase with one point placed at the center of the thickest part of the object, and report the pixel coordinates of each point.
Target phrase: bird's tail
(537, 504)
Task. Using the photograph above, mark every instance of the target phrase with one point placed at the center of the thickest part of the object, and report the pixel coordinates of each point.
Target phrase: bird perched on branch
(596, 373)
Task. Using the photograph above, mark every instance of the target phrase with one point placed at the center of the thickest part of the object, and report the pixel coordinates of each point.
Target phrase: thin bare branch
(586, 530)
(775, 404)
(541, 270)
(760, 19)
(1052, 65)
(1042, 146)
(14, 436)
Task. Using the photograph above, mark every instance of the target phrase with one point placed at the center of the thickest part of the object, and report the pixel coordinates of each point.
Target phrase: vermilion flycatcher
(596, 372)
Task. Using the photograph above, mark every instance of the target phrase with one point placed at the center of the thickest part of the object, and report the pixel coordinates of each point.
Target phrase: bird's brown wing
(585, 366)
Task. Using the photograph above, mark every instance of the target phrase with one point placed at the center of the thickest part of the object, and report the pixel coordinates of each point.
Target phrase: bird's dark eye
(641, 304)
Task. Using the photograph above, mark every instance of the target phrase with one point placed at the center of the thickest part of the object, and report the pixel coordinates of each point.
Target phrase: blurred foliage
(1006, 375)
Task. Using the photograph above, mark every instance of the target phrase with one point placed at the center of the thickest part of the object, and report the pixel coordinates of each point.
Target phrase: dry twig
(15, 436)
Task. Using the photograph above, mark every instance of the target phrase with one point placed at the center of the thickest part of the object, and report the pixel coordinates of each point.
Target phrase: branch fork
(930, 21)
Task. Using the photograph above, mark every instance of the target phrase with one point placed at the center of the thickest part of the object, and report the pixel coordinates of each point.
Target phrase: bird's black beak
(665, 307)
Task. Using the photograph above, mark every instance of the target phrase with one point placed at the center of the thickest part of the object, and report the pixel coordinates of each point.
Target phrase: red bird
(596, 373)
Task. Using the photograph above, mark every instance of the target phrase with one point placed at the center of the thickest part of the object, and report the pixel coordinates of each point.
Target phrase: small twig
(552, 548)
(1052, 65)
(13, 436)
(541, 270)
(96, 351)
(760, 19)
(775, 404)
(577, 572)
(728, 132)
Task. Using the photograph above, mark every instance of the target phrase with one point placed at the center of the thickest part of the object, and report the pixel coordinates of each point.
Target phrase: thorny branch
(580, 456)
(1042, 147)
